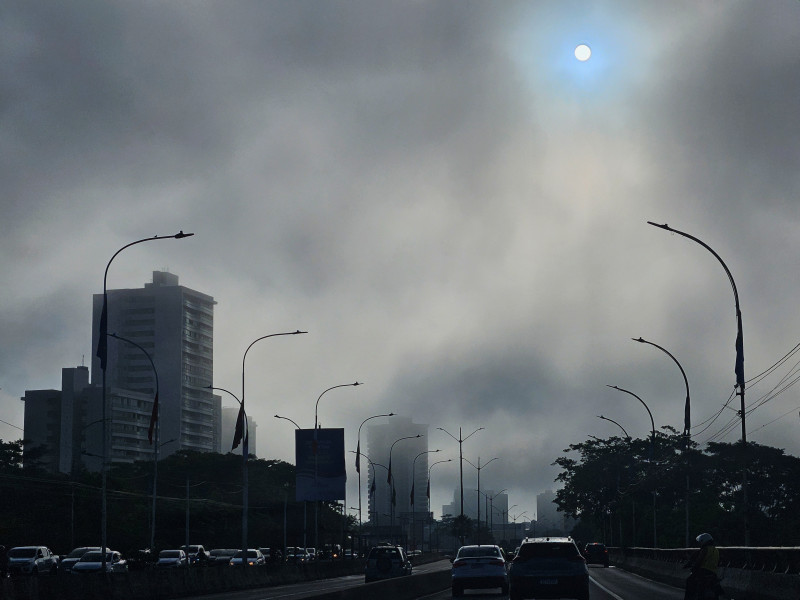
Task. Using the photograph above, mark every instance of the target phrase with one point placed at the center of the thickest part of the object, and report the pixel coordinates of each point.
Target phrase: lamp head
(180, 235)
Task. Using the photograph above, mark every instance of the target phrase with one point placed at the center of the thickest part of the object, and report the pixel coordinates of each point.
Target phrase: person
(704, 567)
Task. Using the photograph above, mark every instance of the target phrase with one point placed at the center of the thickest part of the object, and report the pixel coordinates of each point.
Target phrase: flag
(412, 493)
(687, 417)
(153, 419)
(372, 488)
(102, 342)
(238, 433)
(358, 457)
(394, 496)
(739, 359)
(428, 490)
(389, 475)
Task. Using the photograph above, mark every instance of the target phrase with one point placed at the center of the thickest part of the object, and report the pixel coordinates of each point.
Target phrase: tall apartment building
(175, 325)
(380, 441)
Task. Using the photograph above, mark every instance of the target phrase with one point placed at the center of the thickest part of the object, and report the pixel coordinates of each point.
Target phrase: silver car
(32, 560)
(384, 562)
(92, 562)
(479, 567)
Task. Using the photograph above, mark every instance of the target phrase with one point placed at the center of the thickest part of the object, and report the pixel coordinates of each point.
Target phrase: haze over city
(451, 204)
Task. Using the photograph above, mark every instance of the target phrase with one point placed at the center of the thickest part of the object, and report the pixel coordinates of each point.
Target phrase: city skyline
(451, 204)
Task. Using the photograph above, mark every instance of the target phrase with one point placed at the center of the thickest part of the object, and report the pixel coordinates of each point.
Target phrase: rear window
(548, 550)
(478, 551)
(381, 552)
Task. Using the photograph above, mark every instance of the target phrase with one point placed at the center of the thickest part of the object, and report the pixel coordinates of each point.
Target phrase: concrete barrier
(738, 583)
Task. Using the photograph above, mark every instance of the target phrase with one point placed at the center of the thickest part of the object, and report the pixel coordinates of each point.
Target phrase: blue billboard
(320, 471)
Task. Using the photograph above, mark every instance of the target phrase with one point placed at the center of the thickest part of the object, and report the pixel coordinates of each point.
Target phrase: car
(479, 567)
(92, 562)
(298, 555)
(195, 554)
(172, 559)
(67, 562)
(386, 561)
(31, 560)
(221, 556)
(267, 552)
(312, 552)
(596, 553)
(254, 558)
(551, 567)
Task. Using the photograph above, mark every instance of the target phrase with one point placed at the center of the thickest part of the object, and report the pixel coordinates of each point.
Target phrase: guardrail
(768, 559)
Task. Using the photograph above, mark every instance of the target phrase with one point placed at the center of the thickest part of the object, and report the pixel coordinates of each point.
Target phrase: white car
(32, 560)
(479, 567)
(172, 559)
(92, 562)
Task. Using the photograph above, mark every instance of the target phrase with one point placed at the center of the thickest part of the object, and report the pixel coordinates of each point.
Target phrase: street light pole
(390, 478)
(687, 426)
(358, 459)
(413, 490)
(738, 369)
(652, 448)
(245, 445)
(155, 427)
(460, 439)
(479, 467)
(315, 448)
(615, 423)
(428, 497)
(102, 354)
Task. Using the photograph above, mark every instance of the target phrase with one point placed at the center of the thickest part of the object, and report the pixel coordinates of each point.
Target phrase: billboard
(320, 472)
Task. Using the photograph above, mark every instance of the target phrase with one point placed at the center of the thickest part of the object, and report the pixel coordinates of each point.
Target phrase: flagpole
(390, 479)
(102, 354)
(428, 495)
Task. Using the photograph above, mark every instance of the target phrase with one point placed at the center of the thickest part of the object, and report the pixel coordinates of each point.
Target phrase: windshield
(78, 552)
(169, 554)
(22, 553)
(95, 557)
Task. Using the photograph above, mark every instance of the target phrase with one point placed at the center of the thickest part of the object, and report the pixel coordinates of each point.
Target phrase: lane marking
(605, 589)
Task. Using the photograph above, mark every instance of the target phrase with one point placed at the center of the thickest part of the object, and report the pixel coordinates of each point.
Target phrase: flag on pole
(358, 457)
(428, 490)
(102, 342)
(389, 475)
(372, 488)
(412, 493)
(238, 433)
(740, 359)
(153, 420)
(394, 496)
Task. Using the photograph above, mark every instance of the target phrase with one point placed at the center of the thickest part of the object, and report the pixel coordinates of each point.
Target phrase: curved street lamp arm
(146, 353)
(437, 462)
(287, 419)
(211, 387)
(473, 433)
(739, 367)
(263, 337)
(617, 424)
(652, 422)
(176, 236)
(316, 406)
(687, 421)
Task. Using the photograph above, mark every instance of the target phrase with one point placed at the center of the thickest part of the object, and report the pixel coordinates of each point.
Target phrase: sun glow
(583, 52)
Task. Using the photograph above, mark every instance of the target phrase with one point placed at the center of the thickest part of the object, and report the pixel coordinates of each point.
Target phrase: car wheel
(457, 591)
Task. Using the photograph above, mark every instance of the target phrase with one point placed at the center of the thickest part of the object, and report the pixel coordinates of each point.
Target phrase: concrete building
(175, 325)
(549, 520)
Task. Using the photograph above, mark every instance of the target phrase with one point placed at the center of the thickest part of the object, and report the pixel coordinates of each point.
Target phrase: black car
(548, 568)
(596, 554)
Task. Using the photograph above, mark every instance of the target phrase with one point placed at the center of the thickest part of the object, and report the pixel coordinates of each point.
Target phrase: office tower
(175, 326)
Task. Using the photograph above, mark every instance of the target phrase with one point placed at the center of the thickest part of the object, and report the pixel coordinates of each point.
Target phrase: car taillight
(457, 564)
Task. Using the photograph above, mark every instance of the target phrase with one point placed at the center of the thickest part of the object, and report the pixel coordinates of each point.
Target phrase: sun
(583, 52)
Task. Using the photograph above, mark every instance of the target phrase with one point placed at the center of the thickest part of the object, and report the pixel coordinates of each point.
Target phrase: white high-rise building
(175, 325)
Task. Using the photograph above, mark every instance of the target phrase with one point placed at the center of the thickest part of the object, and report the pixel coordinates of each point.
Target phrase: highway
(606, 584)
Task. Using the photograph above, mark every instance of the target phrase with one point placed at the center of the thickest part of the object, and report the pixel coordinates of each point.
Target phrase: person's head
(704, 539)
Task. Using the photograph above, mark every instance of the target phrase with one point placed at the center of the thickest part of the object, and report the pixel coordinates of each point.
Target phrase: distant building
(493, 506)
(382, 438)
(175, 325)
(549, 520)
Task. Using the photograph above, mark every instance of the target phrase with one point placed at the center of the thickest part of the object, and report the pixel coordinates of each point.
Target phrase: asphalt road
(605, 584)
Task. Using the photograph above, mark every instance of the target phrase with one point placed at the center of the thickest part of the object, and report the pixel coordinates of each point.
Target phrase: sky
(452, 205)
